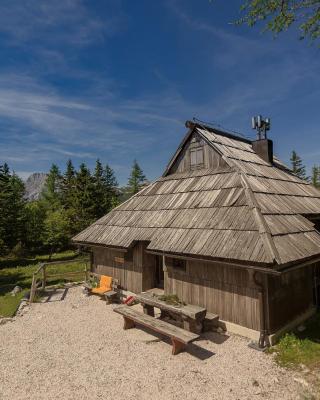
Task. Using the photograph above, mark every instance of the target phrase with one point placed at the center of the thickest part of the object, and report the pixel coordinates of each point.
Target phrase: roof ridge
(263, 227)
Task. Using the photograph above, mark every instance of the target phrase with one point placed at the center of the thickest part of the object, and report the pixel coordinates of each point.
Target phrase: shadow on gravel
(53, 295)
(215, 337)
(193, 349)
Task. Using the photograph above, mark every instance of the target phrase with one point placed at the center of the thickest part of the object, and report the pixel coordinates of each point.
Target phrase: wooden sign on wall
(119, 260)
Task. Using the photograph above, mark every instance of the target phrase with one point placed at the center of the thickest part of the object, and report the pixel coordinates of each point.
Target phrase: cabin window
(196, 157)
(179, 264)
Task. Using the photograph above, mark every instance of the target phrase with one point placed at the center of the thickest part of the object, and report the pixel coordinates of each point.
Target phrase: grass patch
(297, 348)
(19, 272)
(171, 299)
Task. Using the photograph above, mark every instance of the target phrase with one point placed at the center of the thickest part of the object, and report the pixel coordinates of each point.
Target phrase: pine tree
(315, 177)
(68, 185)
(12, 205)
(51, 193)
(297, 166)
(136, 178)
(99, 190)
(84, 202)
(4, 188)
(34, 225)
(112, 196)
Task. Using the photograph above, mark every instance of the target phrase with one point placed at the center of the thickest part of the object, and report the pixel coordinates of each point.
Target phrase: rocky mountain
(34, 185)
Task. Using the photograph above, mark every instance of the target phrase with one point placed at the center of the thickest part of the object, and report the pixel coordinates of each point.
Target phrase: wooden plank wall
(289, 296)
(223, 290)
(211, 158)
(136, 274)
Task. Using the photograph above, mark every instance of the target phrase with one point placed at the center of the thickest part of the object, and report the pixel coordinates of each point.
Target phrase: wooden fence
(41, 276)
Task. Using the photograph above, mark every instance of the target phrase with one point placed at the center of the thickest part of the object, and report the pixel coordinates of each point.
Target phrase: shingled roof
(248, 211)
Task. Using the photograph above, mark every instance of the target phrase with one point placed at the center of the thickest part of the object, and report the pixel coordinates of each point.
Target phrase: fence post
(32, 290)
(86, 272)
(44, 276)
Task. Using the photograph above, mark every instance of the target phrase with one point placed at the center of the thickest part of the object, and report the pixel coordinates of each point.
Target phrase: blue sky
(116, 80)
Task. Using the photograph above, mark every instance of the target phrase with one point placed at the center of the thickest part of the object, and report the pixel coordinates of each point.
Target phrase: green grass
(19, 272)
(297, 348)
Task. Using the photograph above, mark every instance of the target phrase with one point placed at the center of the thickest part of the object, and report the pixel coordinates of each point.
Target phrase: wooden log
(149, 310)
(43, 277)
(177, 346)
(33, 288)
(179, 337)
(128, 323)
(188, 310)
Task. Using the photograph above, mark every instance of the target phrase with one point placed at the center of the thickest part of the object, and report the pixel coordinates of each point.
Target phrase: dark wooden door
(159, 275)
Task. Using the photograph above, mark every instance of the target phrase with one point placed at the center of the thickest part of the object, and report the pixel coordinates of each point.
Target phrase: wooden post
(44, 276)
(177, 346)
(149, 310)
(86, 272)
(33, 288)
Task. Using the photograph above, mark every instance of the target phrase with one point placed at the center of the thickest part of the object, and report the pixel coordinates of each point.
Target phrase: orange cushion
(100, 290)
(105, 281)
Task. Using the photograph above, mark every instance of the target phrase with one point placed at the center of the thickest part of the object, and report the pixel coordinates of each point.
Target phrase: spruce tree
(315, 177)
(112, 196)
(297, 166)
(84, 203)
(99, 190)
(136, 178)
(12, 205)
(68, 185)
(51, 193)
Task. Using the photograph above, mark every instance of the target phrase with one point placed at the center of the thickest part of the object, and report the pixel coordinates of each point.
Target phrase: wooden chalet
(227, 227)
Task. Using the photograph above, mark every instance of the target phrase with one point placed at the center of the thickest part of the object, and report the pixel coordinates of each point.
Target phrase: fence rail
(41, 276)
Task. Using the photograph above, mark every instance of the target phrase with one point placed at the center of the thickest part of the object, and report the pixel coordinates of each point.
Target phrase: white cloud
(55, 22)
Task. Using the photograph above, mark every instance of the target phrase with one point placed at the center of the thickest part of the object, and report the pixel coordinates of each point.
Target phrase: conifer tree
(112, 196)
(315, 176)
(51, 193)
(68, 185)
(99, 190)
(136, 178)
(297, 166)
(84, 198)
(12, 205)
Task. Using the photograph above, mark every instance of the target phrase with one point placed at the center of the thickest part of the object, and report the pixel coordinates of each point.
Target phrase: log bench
(191, 316)
(179, 337)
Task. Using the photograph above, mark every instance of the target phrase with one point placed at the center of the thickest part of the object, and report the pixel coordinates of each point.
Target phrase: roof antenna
(261, 125)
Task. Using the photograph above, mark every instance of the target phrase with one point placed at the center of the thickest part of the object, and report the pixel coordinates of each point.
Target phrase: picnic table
(192, 317)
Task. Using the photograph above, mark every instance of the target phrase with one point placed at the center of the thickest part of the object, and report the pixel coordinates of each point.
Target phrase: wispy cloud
(67, 22)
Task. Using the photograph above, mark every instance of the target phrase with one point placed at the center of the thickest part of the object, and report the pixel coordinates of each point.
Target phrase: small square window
(196, 157)
(179, 264)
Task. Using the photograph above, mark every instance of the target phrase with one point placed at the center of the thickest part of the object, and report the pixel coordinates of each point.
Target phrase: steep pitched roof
(250, 212)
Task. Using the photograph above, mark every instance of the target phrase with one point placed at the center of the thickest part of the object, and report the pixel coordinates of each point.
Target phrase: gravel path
(77, 349)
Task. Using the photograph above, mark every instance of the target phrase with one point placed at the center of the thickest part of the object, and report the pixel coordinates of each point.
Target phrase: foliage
(280, 15)
(315, 176)
(35, 214)
(69, 202)
(297, 348)
(136, 179)
(297, 166)
(11, 209)
(51, 193)
(55, 231)
(171, 299)
(19, 272)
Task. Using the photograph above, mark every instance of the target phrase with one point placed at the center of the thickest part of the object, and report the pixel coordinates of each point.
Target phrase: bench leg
(177, 346)
(149, 310)
(128, 323)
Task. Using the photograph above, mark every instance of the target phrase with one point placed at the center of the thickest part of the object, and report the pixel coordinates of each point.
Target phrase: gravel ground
(76, 349)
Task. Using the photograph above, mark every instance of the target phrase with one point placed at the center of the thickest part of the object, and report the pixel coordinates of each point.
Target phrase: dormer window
(196, 158)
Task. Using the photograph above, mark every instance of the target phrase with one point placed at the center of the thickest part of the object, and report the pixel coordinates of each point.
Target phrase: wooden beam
(227, 263)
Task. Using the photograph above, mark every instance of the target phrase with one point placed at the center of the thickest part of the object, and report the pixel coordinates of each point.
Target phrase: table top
(189, 310)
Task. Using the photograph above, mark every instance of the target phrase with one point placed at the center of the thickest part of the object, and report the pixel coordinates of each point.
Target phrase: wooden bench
(179, 337)
(191, 316)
